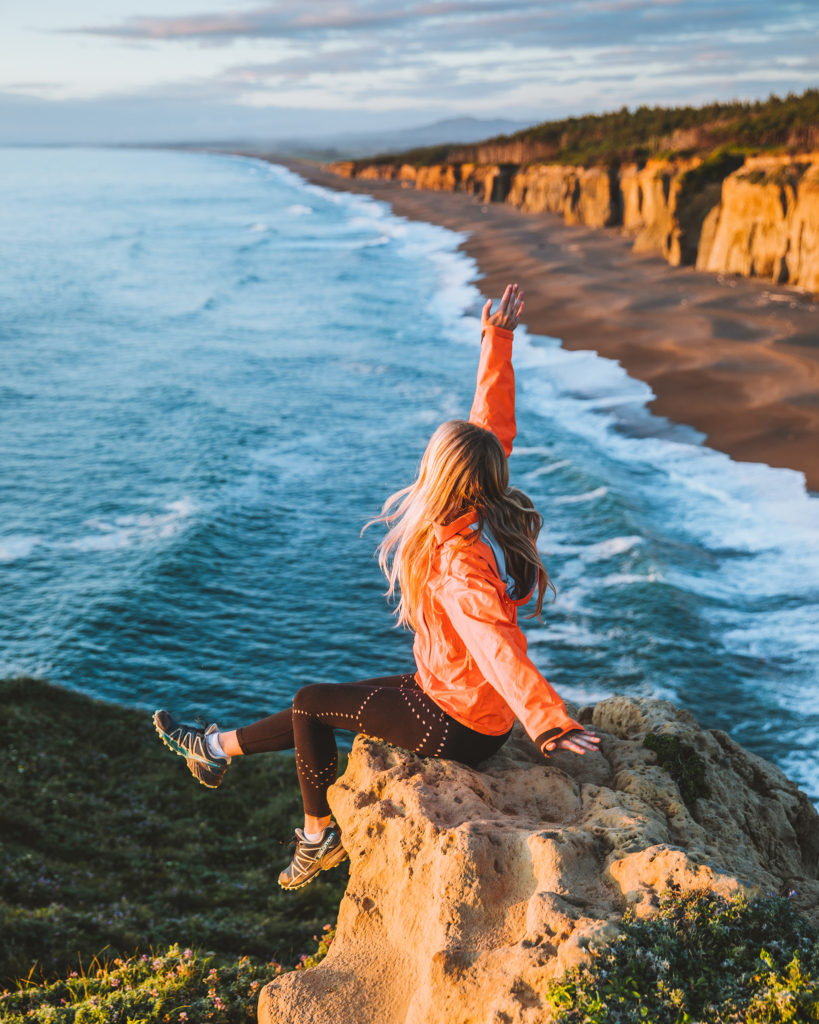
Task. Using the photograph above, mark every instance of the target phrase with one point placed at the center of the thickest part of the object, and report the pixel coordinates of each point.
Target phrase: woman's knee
(309, 699)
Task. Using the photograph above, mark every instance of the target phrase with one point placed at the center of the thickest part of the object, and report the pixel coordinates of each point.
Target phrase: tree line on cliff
(789, 124)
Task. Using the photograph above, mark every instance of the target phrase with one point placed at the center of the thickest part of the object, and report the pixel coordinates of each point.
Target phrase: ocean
(212, 374)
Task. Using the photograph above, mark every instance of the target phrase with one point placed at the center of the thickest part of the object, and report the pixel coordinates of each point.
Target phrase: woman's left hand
(508, 313)
(578, 742)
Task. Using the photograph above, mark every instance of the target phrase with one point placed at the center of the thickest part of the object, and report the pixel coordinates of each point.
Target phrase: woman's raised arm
(508, 313)
(494, 404)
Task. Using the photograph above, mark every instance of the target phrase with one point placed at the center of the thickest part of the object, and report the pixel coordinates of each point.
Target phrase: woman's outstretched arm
(475, 610)
(494, 405)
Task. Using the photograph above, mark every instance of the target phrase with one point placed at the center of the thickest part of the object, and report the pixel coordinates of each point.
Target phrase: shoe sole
(207, 785)
(177, 748)
(324, 867)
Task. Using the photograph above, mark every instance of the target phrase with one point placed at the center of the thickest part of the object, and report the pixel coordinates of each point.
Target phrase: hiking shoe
(190, 742)
(310, 858)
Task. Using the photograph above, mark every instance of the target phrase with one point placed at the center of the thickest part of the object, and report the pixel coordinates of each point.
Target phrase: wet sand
(738, 359)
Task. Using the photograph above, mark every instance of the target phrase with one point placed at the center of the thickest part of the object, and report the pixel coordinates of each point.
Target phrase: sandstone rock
(762, 220)
(581, 195)
(767, 224)
(665, 206)
(470, 889)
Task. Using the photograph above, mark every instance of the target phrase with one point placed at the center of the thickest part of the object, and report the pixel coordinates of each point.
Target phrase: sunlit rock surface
(767, 223)
(759, 219)
(470, 889)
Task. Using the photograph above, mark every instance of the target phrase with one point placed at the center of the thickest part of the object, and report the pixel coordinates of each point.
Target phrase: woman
(460, 553)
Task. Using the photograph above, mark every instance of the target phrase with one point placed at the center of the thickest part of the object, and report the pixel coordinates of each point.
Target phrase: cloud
(524, 59)
(549, 21)
(294, 19)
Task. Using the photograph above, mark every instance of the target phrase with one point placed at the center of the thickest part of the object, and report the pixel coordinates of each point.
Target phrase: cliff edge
(469, 890)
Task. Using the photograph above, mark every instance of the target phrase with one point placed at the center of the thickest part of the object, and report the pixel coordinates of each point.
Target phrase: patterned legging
(392, 708)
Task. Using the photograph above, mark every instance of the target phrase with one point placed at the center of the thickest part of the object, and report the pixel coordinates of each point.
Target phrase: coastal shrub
(683, 764)
(704, 958)
(110, 848)
(173, 987)
(713, 169)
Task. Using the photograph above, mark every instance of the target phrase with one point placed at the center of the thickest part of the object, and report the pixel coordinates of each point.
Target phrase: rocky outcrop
(758, 217)
(469, 890)
(767, 223)
(582, 195)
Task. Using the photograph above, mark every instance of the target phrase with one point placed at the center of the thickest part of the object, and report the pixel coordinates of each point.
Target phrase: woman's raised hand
(578, 742)
(508, 313)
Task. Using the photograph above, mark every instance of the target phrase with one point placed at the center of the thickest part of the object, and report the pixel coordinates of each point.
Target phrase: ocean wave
(122, 532)
(18, 545)
(552, 467)
(605, 549)
(575, 499)
(627, 579)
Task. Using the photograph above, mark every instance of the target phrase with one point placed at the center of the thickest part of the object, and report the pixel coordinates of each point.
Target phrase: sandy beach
(738, 359)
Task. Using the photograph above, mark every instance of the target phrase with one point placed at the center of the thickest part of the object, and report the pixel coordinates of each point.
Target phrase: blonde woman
(460, 555)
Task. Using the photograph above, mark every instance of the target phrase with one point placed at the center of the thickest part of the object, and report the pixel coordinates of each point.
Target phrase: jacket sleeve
(494, 404)
(498, 648)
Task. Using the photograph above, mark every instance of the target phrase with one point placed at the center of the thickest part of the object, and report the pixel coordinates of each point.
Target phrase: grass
(111, 850)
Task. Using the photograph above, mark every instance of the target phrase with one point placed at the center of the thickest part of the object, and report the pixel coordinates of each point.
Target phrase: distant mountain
(350, 145)
(453, 129)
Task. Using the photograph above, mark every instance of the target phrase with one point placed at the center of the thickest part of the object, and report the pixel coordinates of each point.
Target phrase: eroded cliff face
(759, 219)
(767, 223)
(470, 889)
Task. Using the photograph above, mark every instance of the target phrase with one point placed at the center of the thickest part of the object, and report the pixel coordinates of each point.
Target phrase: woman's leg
(208, 752)
(401, 714)
(275, 732)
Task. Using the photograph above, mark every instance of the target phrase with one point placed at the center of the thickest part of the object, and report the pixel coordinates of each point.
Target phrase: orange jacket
(469, 650)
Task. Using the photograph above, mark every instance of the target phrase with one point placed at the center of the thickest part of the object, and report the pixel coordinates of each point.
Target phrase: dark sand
(736, 358)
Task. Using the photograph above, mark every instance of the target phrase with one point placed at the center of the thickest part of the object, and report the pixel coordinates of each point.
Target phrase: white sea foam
(126, 531)
(522, 449)
(17, 546)
(626, 579)
(552, 467)
(610, 548)
(575, 499)
(299, 209)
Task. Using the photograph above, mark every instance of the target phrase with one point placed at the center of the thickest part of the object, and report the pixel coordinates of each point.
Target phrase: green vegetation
(704, 958)
(110, 848)
(785, 125)
(177, 985)
(683, 764)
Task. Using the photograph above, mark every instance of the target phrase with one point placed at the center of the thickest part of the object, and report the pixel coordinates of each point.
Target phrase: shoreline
(735, 358)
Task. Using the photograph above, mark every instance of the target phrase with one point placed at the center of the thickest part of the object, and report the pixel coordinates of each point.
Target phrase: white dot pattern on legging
(321, 778)
(418, 704)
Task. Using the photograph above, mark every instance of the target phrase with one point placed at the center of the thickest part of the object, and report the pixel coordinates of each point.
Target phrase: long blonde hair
(464, 468)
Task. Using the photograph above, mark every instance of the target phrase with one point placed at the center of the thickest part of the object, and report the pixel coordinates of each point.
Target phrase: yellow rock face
(470, 889)
(760, 221)
(767, 224)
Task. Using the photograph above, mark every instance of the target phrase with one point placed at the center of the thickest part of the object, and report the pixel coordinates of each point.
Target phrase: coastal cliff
(756, 216)
(470, 890)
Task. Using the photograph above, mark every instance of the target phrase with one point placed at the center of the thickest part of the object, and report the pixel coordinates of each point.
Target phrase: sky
(138, 70)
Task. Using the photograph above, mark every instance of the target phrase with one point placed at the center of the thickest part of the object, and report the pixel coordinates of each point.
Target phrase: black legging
(392, 708)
